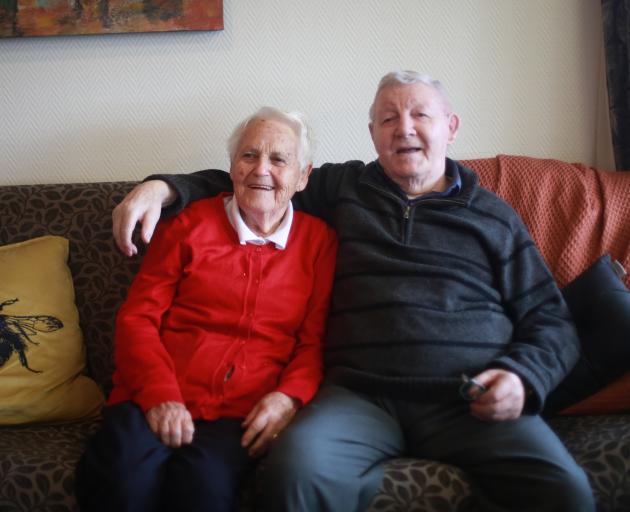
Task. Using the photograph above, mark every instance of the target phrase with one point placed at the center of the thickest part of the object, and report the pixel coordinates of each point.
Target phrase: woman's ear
(303, 181)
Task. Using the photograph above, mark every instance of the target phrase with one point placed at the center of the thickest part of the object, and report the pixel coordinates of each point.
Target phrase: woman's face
(265, 170)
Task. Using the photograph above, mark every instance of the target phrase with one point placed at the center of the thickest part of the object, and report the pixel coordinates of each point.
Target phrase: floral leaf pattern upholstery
(601, 445)
(37, 465)
(422, 486)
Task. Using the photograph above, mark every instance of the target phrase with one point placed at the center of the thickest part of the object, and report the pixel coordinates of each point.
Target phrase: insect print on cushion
(16, 331)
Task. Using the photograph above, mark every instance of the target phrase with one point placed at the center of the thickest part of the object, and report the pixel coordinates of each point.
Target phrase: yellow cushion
(42, 353)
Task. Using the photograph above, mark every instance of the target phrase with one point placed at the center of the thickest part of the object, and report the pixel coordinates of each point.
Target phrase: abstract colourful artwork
(25, 18)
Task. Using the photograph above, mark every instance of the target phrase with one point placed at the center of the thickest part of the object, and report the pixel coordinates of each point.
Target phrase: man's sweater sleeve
(322, 193)
(318, 199)
(194, 186)
(545, 344)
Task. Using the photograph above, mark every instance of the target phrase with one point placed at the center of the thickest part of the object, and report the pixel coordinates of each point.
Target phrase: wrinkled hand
(266, 420)
(504, 398)
(172, 423)
(143, 204)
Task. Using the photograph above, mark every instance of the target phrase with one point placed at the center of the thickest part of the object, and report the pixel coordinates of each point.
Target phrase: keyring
(471, 389)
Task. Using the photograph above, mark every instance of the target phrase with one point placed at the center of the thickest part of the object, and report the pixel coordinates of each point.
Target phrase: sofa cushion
(41, 346)
(601, 446)
(422, 485)
(600, 305)
(37, 465)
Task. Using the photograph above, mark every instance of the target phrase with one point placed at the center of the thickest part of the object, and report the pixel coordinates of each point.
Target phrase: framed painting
(25, 18)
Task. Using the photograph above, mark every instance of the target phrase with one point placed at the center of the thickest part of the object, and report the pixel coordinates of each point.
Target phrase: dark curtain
(616, 20)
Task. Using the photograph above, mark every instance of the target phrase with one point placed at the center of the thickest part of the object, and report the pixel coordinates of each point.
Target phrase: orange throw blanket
(574, 213)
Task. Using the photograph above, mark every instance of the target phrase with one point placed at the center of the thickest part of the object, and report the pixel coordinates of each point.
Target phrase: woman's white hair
(294, 120)
(401, 77)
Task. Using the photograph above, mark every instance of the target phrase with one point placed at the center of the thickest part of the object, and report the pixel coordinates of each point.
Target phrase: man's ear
(302, 182)
(453, 127)
(371, 128)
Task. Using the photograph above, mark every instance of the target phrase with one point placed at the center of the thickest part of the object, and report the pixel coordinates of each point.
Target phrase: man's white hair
(401, 77)
(294, 120)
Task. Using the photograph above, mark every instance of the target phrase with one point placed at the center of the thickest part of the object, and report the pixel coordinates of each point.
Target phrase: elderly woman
(218, 342)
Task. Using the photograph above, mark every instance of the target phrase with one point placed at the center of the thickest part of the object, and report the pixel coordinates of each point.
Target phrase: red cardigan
(216, 324)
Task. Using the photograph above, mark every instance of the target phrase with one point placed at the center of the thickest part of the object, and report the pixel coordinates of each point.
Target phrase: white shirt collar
(246, 235)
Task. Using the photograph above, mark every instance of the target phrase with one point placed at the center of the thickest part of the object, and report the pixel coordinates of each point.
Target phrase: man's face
(411, 131)
(265, 170)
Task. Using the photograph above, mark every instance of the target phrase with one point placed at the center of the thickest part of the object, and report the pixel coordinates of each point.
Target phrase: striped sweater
(430, 288)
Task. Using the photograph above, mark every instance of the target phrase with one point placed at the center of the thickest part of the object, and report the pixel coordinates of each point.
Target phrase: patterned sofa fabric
(422, 485)
(37, 462)
(37, 469)
(37, 466)
(601, 445)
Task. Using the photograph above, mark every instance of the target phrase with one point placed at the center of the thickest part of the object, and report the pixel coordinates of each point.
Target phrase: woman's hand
(172, 423)
(266, 420)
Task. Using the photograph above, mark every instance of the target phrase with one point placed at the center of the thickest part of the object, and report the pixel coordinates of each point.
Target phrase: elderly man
(446, 330)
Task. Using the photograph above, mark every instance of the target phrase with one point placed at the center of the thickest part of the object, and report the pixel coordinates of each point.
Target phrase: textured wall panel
(523, 76)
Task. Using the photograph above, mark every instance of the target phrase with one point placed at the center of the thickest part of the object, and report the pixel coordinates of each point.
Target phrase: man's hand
(504, 398)
(172, 423)
(266, 420)
(143, 204)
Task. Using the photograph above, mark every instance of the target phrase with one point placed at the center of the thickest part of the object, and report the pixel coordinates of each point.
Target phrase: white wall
(522, 74)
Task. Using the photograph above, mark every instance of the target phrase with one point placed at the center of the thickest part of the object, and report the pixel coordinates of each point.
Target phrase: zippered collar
(374, 176)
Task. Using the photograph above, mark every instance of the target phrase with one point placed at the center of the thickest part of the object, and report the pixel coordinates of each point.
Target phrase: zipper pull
(406, 212)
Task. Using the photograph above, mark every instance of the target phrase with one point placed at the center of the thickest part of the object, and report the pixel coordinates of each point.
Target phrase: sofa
(575, 214)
